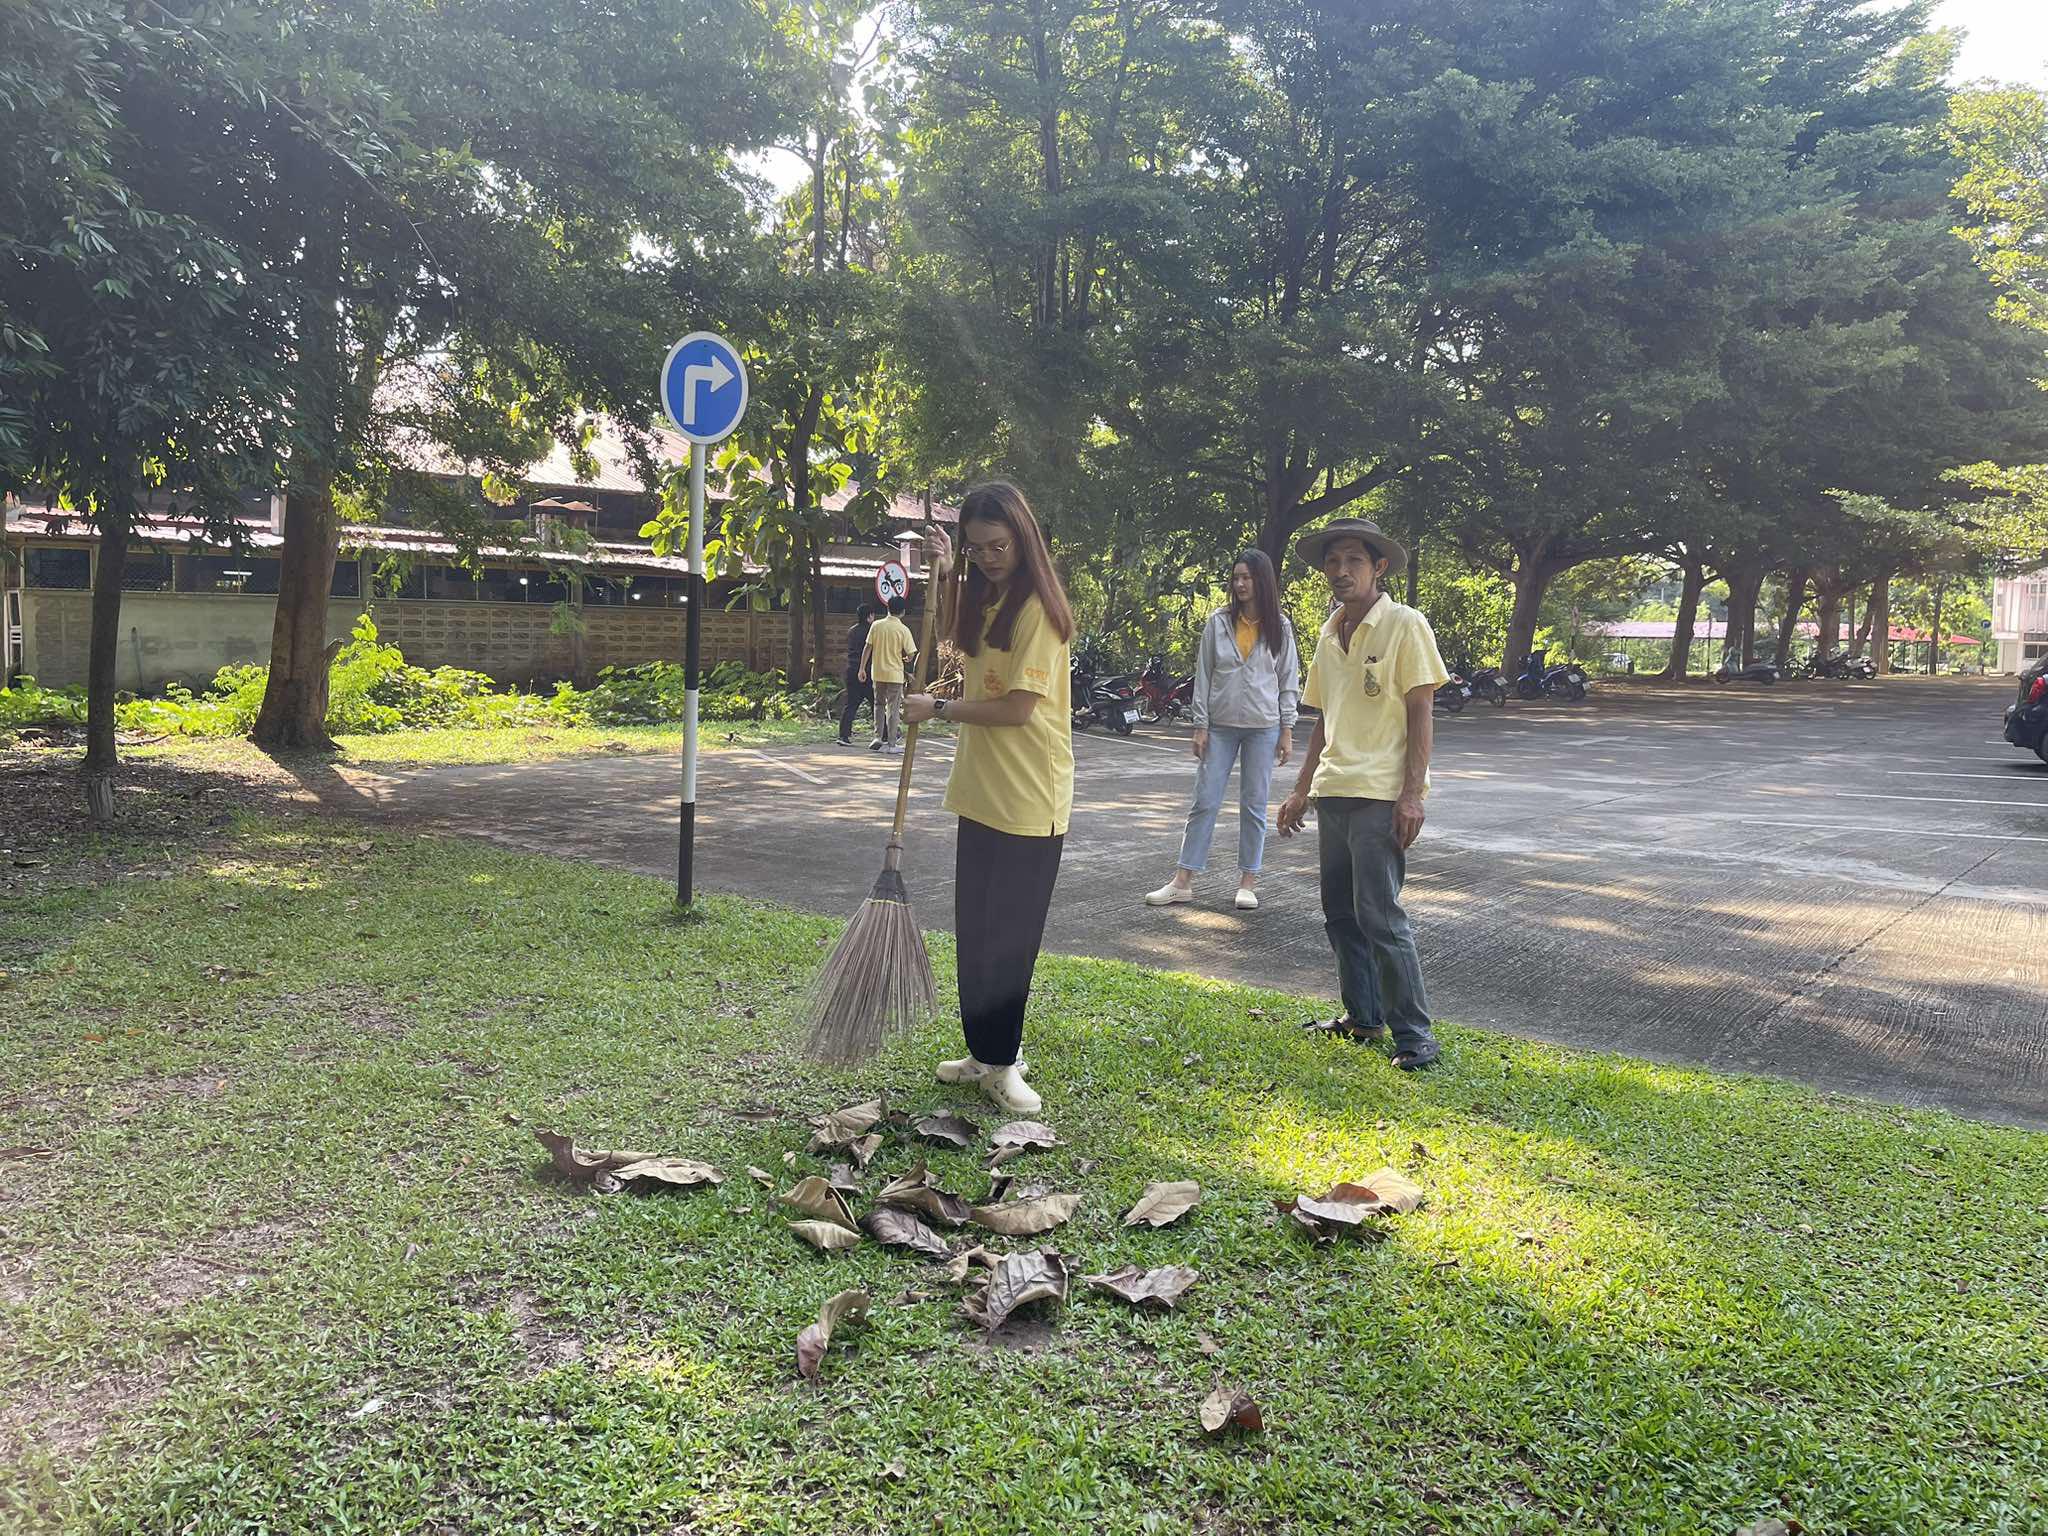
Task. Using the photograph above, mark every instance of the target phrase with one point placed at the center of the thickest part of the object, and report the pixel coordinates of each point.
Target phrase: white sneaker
(1006, 1087)
(1170, 895)
(965, 1070)
(1247, 899)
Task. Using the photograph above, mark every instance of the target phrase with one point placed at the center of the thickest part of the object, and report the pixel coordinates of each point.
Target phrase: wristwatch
(938, 709)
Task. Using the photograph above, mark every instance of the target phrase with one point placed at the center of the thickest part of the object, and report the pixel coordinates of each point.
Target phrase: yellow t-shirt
(1362, 691)
(1018, 778)
(1247, 637)
(890, 644)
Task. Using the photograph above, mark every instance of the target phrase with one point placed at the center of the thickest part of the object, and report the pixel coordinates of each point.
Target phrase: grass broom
(878, 981)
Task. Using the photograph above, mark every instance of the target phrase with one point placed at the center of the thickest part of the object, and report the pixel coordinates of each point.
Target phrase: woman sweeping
(1247, 687)
(1013, 775)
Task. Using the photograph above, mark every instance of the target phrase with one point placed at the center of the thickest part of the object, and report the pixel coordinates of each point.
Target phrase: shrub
(29, 703)
(373, 689)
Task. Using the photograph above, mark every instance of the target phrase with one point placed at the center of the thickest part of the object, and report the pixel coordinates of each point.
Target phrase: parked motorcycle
(1840, 664)
(1160, 696)
(1567, 680)
(1487, 683)
(1452, 694)
(1111, 702)
(1482, 682)
(1732, 670)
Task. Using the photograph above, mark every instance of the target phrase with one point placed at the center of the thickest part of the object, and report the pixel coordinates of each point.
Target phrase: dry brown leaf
(1158, 1287)
(864, 1149)
(1002, 1155)
(761, 1176)
(1397, 1191)
(1026, 1218)
(1164, 1203)
(1019, 1279)
(828, 1235)
(915, 1191)
(815, 1198)
(575, 1162)
(1023, 1133)
(1231, 1408)
(845, 1126)
(969, 1259)
(900, 1229)
(846, 1307)
(679, 1172)
(842, 1177)
(1207, 1345)
(949, 1129)
(998, 1187)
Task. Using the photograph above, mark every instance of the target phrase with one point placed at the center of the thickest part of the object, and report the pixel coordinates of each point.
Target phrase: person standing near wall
(1247, 684)
(1374, 679)
(1012, 784)
(858, 691)
(885, 664)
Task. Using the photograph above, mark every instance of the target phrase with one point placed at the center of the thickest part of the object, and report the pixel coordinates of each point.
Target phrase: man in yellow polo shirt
(1374, 679)
(889, 649)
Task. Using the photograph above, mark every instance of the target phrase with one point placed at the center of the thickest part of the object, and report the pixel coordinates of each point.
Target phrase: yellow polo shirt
(1363, 691)
(890, 643)
(1018, 778)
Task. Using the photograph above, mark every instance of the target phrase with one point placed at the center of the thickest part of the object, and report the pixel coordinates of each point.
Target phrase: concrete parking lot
(1836, 882)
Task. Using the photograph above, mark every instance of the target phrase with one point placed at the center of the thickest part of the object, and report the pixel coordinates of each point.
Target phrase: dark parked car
(2026, 721)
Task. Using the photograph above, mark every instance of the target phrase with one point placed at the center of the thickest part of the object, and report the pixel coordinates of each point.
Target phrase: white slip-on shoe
(1247, 899)
(1169, 895)
(1005, 1086)
(965, 1070)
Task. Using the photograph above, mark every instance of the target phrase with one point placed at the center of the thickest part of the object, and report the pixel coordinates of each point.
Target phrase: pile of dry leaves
(913, 1212)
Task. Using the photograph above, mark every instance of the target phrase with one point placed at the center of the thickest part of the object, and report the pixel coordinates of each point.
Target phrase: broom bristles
(878, 981)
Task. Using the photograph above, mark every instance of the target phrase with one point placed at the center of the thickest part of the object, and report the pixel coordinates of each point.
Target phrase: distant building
(2019, 619)
(193, 606)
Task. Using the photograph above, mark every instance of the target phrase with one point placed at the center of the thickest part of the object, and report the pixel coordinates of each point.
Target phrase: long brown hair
(1265, 597)
(1001, 502)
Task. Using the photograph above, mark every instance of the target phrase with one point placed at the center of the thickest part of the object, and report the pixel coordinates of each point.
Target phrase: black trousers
(1002, 889)
(857, 694)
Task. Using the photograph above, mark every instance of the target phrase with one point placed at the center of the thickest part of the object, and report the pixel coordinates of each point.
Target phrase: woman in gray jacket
(1247, 686)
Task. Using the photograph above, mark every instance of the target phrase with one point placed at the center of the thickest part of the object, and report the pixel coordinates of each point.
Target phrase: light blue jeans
(1254, 789)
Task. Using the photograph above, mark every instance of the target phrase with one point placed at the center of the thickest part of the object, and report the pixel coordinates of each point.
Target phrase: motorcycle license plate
(1130, 717)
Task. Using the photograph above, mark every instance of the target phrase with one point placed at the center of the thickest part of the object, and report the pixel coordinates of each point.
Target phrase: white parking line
(1866, 828)
(776, 762)
(1850, 794)
(2017, 775)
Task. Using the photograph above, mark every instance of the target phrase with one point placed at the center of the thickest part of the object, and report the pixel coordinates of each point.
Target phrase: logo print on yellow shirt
(1369, 679)
(992, 683)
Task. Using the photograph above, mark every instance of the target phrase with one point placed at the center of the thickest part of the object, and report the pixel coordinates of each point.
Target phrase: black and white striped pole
(704, 392)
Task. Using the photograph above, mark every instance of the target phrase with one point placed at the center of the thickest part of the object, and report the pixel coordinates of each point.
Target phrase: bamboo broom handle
(924, 677)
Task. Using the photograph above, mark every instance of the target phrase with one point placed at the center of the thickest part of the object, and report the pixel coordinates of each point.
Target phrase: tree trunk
(1934, 639)
(102, 662)
(1531, 577)
(1828, 611)
(1881, 623)
(1788, 626)
(799, 582)
(820, 662)
(1415, 574)
(1743, 588)
(1680, 662)
(294, 712)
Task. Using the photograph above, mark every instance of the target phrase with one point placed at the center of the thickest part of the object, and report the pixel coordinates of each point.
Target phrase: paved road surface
(1842, 883)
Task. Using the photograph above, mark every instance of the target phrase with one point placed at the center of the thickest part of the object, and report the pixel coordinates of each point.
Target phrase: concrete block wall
(186, 637)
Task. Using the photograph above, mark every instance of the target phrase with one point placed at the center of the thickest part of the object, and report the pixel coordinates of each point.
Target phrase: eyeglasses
(994, 547)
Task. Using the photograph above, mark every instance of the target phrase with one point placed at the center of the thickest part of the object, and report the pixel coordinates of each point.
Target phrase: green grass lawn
(526, 744)
(297, 1263)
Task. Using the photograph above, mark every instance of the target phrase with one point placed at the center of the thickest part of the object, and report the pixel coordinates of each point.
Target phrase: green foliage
(28, 703)
(374, 690)
(2001, 138)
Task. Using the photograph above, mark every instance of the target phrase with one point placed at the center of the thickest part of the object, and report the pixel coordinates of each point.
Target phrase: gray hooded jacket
(1245, 692)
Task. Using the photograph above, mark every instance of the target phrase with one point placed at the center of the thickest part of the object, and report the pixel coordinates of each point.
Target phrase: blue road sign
(704, 387)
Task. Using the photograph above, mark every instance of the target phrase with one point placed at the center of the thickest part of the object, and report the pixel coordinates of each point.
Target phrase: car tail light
(2040, 687)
